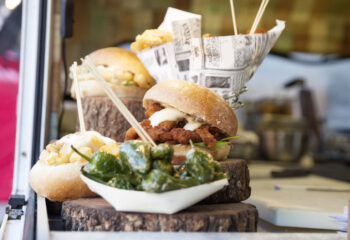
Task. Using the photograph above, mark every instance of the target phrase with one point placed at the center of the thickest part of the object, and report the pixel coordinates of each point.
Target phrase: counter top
(293, 202)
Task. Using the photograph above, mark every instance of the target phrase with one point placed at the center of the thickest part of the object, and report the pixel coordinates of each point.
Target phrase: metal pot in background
(255, 110)
(283, 138)
(308, 110)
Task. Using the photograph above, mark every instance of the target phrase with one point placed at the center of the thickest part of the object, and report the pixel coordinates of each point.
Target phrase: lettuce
(218, 144)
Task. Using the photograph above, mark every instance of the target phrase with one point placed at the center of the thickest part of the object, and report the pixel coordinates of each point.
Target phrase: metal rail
(31, 114)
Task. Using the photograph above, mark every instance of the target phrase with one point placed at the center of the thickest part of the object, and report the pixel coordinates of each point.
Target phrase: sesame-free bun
(59, 182)
(195, 100)
(115, 65)
(121, 59)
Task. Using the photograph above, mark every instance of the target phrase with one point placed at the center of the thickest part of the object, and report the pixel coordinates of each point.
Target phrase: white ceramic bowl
(140, 201)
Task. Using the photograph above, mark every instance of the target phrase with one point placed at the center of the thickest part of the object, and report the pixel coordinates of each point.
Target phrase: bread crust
(121, 59)
(181, 150)
(59, 182)
(195, 100)
(92, 88)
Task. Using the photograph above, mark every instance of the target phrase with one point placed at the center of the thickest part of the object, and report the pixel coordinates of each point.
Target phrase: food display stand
(29, 216)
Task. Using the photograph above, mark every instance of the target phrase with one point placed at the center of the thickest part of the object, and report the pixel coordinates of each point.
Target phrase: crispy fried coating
(206, 35)
(151, 38)
(154, 133)
(257, 31)
(131, 134)
(167, 125)
(146, 123)
(183, 136)
(172, 132)
(155, 107)
(206, 136)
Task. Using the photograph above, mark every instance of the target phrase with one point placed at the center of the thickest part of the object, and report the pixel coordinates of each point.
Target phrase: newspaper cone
(224, 64)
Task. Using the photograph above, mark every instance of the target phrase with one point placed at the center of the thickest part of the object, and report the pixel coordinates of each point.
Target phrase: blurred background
(297, 106)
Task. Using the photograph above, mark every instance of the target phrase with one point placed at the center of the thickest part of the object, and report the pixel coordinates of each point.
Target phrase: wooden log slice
(238, 189)
(101, 115)
(95, 214)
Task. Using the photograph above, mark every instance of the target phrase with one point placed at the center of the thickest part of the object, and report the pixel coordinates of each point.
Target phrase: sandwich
(56, 175)
(120, 68)
(182, 114)
(127, 77)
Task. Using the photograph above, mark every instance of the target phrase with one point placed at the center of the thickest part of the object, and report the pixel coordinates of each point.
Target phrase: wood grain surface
(95, 214)
(238, 189)
(101, 115)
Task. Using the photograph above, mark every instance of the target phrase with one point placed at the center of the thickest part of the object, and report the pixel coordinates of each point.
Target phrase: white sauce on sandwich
(191, 124)
(87, 139)
(171, 114)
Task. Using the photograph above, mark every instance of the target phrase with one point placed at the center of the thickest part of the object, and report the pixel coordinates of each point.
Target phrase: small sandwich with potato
(56, 175)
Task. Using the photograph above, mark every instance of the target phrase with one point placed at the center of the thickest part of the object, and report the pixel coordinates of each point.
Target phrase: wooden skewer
(119, 104)
(259, 15)
(233, 18)
(77, 94)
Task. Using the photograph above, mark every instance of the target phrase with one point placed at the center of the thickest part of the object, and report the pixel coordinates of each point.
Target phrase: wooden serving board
(95, 214)
(238, 177)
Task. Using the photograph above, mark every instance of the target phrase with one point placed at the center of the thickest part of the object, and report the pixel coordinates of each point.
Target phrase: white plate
(140, 201)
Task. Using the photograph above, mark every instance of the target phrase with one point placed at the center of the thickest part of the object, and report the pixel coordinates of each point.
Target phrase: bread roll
(121, 68)
(59, 182)
(56, 175)
(195, 100)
